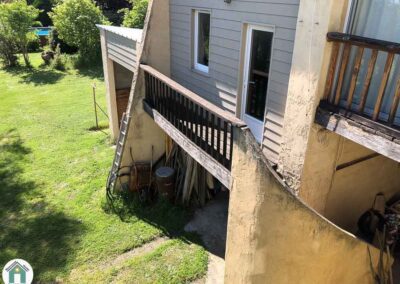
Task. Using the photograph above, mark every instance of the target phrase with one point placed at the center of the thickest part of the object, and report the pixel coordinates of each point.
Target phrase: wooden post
(354, 77)
(343, 67)
(382, 88)
(395, 103)
(332, 71)
(95, 105)
(367, 81)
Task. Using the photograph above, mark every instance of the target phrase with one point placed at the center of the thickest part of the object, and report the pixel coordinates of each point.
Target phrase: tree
(45, 7)
(135, 17)
(16, 20)
(7, 50)
(75, 21)
(111, 9)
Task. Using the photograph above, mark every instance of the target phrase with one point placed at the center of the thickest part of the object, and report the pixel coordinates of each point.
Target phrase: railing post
(354, 77)
(382, 88)
(332, 71)
(368, 79)
(225, 142)
(219, 128)
(343, 67)
(395, 103)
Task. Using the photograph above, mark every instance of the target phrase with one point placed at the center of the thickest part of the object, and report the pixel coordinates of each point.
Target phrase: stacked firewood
(193, 182)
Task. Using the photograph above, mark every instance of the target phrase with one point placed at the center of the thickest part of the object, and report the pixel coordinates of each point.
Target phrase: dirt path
(76, 274)
(148, 247)
(210, 223)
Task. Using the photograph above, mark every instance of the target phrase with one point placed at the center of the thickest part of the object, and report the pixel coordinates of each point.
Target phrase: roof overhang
(129, 33)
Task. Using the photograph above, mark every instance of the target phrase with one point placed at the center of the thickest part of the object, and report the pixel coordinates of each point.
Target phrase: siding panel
(121, 50)
(227, 23)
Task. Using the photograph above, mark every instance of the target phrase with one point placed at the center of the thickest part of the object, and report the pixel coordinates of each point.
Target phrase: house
(293, 106)
(17, 273)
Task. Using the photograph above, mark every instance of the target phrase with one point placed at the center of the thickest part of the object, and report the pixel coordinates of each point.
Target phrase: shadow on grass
(35, 76)
(170, 219)
(100, 128)
(29, 229)
(93, 72)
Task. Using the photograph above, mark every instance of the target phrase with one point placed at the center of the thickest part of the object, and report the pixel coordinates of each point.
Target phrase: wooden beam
(367, 137)
(356, 161)
(204, 159)
(364, 42)
(387, 130)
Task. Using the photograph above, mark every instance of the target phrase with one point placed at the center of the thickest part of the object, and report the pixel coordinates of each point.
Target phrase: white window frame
(349, 16)
(198, 66)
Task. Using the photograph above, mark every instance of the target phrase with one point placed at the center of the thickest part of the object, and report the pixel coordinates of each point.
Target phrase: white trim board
(249, 32)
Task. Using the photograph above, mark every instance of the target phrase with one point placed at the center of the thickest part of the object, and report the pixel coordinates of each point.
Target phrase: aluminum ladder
(119, 150)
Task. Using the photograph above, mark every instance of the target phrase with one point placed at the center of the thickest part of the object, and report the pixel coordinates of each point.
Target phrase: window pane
(204, 38)
(375, 19)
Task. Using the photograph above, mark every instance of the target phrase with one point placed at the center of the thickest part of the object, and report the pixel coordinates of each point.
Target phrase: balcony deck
(350, 107)
(199, 127)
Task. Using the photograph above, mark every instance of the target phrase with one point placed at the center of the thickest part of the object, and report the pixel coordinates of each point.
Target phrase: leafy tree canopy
(114, 5)
(111, 9)
(75, 21)
(45, 7)
(16, 20)
(135, 17)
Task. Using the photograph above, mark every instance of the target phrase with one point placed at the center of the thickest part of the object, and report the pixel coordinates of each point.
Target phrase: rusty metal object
(165, 179)
(140, 176)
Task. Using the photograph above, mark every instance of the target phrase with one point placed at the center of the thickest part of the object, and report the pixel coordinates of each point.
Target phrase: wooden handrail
(340, 65)
(392, 47)
(219, 112)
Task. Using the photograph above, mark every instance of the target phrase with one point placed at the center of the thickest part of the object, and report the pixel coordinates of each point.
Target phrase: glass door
(256, 77)
(375, 19)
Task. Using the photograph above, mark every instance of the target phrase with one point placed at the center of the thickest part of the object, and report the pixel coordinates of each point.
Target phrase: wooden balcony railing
(342, 62)
(205, 124)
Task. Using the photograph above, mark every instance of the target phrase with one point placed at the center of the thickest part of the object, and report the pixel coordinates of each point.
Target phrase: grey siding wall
(121, 50)
(227, 22)
(123, 77)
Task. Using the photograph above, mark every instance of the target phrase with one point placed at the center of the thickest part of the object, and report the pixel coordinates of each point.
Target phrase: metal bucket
(165, 180)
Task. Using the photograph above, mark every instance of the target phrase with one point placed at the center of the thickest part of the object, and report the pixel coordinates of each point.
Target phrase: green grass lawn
(53, 170)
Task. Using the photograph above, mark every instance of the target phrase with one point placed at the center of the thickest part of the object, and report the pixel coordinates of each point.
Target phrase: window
(201, 40)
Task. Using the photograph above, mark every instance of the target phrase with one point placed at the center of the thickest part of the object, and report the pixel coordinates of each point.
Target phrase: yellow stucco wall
(343, 195)
(308, 73)
(144, 134)
(274, 238)
(354, 188)
(310, 154)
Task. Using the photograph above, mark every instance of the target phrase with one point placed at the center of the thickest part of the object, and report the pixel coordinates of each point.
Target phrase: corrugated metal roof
(133, 34)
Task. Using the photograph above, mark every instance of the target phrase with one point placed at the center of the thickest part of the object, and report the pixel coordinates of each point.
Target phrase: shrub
(135, 17)
(34, 44)
(55, 40)
(47, 56)
(58, 61)
(16, 20)
(7, 51)
(75, 21)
